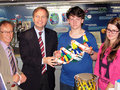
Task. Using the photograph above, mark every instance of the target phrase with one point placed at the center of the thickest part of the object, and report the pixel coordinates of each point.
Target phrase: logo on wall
(54, 19)
(88, 17)
(64, 18)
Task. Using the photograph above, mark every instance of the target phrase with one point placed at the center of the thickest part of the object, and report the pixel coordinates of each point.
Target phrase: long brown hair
(116, 45)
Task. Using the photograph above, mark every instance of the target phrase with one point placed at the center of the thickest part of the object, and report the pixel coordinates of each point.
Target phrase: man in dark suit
(32, 56)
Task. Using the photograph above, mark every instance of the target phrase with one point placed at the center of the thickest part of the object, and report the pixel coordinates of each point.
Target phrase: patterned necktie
(11, 60)
(42, 52)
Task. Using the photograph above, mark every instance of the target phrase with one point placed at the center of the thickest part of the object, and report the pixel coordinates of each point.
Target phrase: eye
(114, 31)
(37, 16)
(44, 16)
(71, 19)
(78, 19)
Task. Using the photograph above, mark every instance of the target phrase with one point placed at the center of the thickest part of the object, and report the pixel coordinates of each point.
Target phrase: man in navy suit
(31, 53)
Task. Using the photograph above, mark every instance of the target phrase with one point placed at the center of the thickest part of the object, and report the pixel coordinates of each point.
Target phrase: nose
(74, 21)
(40, 18)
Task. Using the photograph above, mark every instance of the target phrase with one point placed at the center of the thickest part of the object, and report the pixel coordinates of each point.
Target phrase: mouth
(39, 22)
(8, 38)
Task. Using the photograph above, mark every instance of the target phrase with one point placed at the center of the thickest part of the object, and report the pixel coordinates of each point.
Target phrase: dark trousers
(44, 85)
(65, 87)
(32, 83)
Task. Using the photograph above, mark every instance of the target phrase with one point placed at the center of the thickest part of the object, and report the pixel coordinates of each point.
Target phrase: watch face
(92, 52)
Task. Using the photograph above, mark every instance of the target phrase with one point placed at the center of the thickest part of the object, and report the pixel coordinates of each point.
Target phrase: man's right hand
(50, 61)
(16, 78)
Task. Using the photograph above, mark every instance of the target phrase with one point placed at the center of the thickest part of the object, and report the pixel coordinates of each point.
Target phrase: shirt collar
(37, 31)
(43, 30)
(4, 45)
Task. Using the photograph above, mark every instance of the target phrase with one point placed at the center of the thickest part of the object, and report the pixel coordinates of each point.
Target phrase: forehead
(40, 12)
(112, 27)
(6, 26)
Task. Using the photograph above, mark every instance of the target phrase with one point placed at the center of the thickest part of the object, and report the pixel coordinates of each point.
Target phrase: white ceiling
(56, 2)
(63, 0)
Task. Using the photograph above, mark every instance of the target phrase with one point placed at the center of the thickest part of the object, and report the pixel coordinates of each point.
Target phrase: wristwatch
(92, 53)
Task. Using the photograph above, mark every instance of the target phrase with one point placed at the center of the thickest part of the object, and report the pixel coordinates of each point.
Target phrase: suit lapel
(4, 57)
(47, 41)
(5, 67)
(35, 41)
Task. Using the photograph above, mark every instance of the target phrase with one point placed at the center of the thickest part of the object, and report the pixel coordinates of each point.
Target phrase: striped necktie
(42, 52)
(11, 60)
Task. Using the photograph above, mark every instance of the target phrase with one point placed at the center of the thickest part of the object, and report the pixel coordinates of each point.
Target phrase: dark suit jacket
(31, 57)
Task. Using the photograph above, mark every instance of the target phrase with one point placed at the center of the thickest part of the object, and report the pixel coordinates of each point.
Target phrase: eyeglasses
(112, 31)
(6, 32)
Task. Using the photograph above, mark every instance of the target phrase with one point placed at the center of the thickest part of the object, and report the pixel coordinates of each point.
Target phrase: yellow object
(86, 81)
(103, 30)
(66, 58)
(85, 38)
(74, 46)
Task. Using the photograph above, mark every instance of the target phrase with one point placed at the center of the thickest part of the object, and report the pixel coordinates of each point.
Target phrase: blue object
(84, 65)
(118, 80)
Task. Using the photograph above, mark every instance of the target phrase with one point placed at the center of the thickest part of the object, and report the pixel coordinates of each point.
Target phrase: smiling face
(75, 22)
(40, 19)
(112, 32)
(6, 33)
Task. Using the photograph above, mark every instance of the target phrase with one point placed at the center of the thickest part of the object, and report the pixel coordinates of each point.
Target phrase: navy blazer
(31, 56)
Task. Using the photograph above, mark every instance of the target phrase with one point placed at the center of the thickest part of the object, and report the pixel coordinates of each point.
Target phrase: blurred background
(98, 13)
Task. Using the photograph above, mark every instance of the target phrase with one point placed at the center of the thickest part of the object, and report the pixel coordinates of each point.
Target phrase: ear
(68, 20)
(82, 20)
(33, 19)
